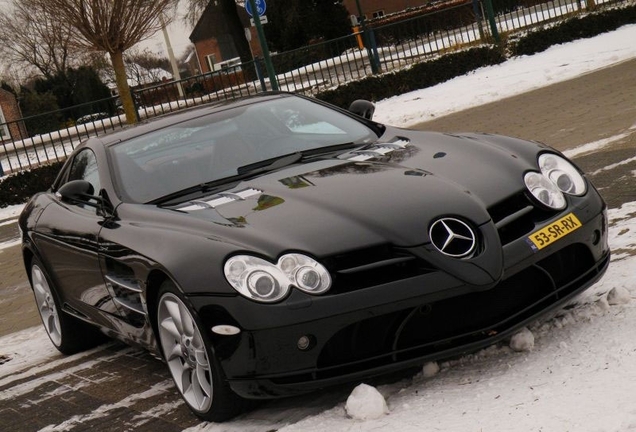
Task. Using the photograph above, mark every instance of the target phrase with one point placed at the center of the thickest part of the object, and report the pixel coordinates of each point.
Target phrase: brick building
(10, 128)
(378, 8)
(213, 41)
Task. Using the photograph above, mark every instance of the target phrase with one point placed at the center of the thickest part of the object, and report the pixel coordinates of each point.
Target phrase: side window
(84, 167)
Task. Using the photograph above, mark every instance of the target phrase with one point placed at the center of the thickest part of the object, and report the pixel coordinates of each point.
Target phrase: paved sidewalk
(17, 306)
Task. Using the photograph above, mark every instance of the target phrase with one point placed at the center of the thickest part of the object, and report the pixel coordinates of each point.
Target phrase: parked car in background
(275, 245)
(89, 118)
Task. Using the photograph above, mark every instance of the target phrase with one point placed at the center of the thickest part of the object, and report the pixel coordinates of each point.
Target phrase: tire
(190, 359)
(67, 333)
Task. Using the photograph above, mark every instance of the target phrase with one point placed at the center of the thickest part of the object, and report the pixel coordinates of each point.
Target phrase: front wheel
(194, 369)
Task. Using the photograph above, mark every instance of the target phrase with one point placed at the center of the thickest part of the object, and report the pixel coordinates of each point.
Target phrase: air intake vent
(220, 199)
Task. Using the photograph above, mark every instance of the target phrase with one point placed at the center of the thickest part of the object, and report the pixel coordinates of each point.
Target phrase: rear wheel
(187, 352)
(69, 334)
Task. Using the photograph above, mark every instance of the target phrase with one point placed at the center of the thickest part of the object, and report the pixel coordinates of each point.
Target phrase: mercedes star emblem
(452, 237)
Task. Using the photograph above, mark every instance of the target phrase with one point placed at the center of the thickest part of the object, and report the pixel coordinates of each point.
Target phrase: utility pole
(173, 62)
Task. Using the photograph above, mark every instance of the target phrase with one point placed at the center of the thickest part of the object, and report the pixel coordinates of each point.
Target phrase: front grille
(517, 216)
(456, 322)
(373, 266)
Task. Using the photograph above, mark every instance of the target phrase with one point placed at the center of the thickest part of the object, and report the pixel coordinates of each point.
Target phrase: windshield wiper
(215, 185)
(273, 164)
(269, 164)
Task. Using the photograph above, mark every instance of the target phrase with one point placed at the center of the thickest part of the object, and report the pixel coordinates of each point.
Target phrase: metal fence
(385, 45)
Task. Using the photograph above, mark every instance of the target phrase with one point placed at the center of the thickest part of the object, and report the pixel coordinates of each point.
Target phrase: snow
(430, 369)
(522, 341)
(618, 296)
(572, 371)
(10, 212)
(366, 402)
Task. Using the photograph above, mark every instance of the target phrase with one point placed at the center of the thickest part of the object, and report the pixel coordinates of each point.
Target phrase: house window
(210, 59)
(378, 14)
(4, 130)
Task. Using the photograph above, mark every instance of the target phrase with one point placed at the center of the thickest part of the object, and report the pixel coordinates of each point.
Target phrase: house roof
(5, 94)
(214, 23)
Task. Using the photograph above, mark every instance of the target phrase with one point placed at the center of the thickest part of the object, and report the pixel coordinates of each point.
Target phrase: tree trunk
(117, 58)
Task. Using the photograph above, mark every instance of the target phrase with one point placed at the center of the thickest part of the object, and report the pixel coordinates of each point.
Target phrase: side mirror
(82, 192)
(76, 190)
(363, 108)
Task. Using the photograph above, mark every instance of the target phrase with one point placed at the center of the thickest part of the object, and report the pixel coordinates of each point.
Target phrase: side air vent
(127, 293)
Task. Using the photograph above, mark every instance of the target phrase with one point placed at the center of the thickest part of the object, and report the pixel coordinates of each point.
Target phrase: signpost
(260, 7)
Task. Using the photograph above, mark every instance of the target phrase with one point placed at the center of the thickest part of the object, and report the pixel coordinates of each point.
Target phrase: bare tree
(30, 37)
(194, 9)
(145, 67)
(112, 26)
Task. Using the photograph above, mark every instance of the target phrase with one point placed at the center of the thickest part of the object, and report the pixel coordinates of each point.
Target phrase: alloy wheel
(46, 305)
(185, 352)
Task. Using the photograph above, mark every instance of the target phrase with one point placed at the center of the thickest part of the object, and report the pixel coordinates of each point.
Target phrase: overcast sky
(178, 32)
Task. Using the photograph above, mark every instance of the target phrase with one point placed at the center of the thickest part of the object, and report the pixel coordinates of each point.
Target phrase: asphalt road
(121, 388)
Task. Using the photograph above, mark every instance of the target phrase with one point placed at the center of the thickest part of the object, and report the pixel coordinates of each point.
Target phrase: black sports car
(277, 244)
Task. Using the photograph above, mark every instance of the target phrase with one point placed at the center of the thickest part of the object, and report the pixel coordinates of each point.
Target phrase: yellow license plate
(553, 232)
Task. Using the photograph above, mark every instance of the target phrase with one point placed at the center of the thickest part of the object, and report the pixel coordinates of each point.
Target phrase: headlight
(563, 174)
(263, 281)
(558, 176)
(544, 190)
(305, 273)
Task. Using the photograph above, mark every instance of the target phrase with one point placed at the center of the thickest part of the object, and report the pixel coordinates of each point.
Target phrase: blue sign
(260, 7)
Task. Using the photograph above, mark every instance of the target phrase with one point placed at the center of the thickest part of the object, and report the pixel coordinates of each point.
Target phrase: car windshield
(213, 147)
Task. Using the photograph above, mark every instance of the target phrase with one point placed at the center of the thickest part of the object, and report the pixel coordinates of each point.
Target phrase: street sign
(261, 7)
(263, 20)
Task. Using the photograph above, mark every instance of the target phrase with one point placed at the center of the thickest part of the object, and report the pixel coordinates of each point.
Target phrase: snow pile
(366, 402)
(522, 341)
(430, 369)
(618, 296)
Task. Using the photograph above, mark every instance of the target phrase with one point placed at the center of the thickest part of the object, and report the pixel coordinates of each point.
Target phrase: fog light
(305, 342)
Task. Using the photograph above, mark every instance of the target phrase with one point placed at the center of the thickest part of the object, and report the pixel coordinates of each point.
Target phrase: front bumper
(403, 323)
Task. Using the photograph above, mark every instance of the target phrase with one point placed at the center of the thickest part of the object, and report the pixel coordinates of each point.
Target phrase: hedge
(573, 29)
(17, 188)
(419, 76)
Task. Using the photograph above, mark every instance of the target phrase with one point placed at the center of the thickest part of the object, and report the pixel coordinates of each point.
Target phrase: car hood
(391, 198)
